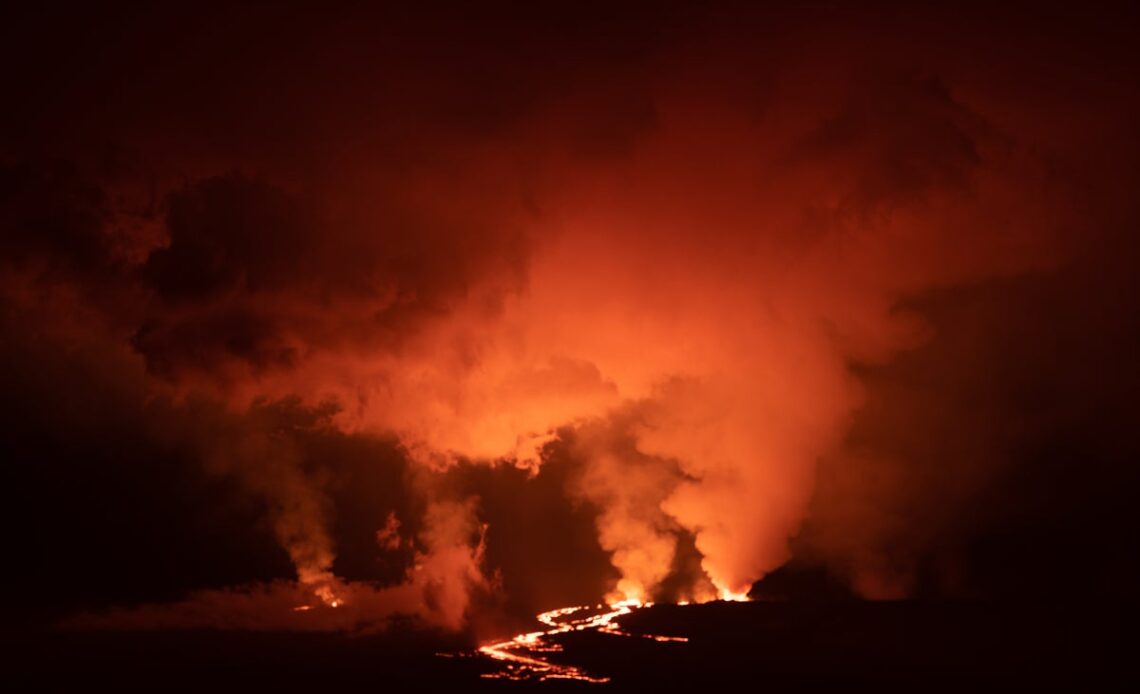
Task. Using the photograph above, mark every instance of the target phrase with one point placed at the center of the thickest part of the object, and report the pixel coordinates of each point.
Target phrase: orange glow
(691, 314)
(667, 289)
(731, 596)
(524, 657)
(328, 596)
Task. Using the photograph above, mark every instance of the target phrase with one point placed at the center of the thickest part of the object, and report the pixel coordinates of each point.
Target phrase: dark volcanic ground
(770, 645)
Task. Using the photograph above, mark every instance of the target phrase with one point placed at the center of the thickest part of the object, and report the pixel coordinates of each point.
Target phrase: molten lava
(731, 596)
(524, 655)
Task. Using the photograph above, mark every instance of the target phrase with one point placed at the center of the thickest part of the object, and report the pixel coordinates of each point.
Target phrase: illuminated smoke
(268, 463)
(717, 281)
(388, 537)
(676, 263)
(437, 590)
(721, 280)
(628, 488)
(450, 567)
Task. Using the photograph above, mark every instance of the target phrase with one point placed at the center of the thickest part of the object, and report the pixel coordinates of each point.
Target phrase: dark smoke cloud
(949, 481)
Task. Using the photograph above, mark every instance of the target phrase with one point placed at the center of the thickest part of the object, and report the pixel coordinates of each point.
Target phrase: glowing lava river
(527, 656)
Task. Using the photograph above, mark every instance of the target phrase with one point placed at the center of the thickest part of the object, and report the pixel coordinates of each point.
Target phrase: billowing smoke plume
(682, 257)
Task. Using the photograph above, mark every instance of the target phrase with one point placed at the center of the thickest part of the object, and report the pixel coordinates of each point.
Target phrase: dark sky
(470, 313)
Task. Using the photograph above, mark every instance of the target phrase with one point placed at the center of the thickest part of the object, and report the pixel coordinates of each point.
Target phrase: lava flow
(525, 657)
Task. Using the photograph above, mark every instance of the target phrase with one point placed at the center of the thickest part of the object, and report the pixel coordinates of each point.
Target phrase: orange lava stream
(524, 654)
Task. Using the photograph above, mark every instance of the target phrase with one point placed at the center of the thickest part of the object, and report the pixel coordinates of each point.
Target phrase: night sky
(360, 318)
